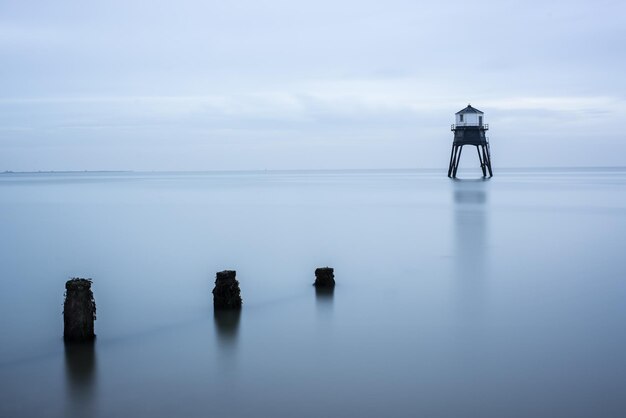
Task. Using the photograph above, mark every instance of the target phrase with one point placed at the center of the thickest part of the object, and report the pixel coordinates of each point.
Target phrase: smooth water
(499, 298)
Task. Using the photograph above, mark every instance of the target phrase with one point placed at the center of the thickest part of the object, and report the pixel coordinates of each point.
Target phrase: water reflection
(470, 229)
(324, 299)
(80, 378)
(227, 326)
(227, 329)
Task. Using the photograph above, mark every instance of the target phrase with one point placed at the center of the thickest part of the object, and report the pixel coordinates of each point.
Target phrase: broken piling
(324, 278)
(226, 294)
(79, 311)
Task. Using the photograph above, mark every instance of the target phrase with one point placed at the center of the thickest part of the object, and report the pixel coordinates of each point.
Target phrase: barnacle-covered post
(79, 311)
(226, 294)
(324, 278)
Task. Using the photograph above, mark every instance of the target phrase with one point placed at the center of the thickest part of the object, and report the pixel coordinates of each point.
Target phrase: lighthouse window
(461, 118)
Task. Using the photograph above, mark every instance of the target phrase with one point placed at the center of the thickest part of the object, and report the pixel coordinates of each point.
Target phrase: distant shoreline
(308, 170)
(65, 171)
(354, 171)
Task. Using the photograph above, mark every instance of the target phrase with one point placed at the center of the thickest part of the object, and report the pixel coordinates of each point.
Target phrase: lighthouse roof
(469, 109)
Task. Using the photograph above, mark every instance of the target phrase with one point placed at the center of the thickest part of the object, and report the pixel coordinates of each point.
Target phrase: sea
(503, 297)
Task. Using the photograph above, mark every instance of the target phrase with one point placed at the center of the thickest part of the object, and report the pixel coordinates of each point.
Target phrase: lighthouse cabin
(469, 116)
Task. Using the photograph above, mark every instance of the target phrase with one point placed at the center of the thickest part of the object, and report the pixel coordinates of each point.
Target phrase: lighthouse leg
(458, 159)
(482, 162)
(452, 158)
(487, 158)
(453, 163)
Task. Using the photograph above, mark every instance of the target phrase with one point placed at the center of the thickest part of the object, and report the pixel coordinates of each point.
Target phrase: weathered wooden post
(79, 310)
(226, 294)
(324, 278)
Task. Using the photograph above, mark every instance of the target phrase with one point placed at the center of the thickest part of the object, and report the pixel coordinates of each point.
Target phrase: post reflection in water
(227, 330)
(324, 299)
(470, 236)
(80, 378)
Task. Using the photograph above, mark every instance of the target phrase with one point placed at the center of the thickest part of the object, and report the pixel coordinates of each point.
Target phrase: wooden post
(324, 277)
(79, 311)
(226, 294)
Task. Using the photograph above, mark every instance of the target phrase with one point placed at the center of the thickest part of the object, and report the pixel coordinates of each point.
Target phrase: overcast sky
(208, 85)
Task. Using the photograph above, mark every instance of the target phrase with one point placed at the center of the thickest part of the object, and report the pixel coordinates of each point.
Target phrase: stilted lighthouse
(469, 129)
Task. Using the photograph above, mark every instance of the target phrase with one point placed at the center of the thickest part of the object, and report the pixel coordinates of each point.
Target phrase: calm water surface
(499, 298)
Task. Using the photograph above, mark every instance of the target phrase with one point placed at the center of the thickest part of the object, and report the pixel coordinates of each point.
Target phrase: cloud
(194, 75)
(386, 101)
(561, 104)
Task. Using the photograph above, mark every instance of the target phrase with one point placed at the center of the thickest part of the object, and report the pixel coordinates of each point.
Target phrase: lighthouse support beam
(487, 158)
(484, 157)
(458, 159)
(453, 153)
(482, 161)
(451, 159)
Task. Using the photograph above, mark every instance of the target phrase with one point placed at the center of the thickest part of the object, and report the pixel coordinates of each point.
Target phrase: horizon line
(267, 170)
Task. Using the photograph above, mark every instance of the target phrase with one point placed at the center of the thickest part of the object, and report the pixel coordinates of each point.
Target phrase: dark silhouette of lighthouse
(469, 129)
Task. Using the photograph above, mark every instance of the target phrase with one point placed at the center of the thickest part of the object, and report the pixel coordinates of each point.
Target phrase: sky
(273, 84)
